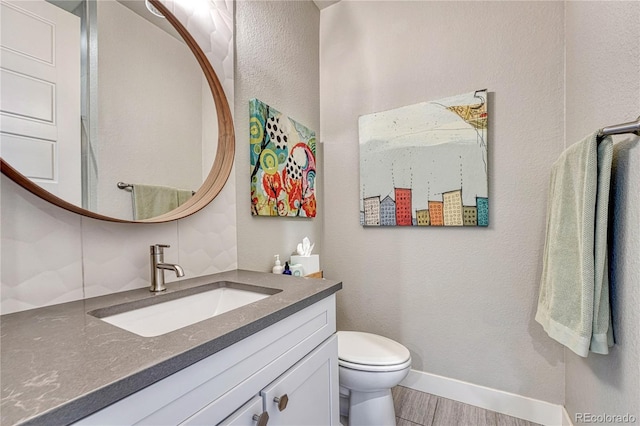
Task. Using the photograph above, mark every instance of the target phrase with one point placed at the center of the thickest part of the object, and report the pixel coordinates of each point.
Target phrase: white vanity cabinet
(301, 396)
(294, 359)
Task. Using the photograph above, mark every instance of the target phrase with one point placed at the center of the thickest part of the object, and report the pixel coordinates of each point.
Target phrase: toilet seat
(370, 352)
(374, 368)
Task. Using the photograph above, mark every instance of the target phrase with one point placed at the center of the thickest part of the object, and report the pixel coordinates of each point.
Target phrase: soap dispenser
(277, 268)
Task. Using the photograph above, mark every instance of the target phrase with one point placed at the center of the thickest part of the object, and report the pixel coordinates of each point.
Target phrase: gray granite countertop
(59, 363)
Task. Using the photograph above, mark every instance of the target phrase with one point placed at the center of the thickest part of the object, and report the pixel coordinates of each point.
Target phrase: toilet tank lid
(370, 349)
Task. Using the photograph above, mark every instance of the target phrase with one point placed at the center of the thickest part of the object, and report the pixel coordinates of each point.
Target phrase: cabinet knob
(261, 419)
(282, 401)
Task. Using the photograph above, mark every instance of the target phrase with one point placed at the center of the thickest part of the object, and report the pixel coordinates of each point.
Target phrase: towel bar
(123, 185)
(129, 187)
(618, 129)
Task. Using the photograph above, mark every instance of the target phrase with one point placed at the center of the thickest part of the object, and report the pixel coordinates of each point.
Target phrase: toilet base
(371, 408)
(344, 402)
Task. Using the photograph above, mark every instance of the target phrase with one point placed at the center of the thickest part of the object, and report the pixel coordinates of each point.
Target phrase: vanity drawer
(245, 415)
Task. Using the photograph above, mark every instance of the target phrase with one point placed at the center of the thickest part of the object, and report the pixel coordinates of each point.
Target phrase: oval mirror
(143, 149)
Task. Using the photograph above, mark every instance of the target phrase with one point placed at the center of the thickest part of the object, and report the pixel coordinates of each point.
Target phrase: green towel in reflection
(573, 305)
(151, 201)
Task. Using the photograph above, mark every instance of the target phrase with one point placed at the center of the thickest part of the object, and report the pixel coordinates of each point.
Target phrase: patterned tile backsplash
(207, 241)
(40, 251)
(116, 255)
(52, 256)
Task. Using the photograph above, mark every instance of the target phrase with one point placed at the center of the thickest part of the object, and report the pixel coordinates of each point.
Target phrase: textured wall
(160, 123)
(276, 62)
(52, 256)
(603, 88)
(462, 300)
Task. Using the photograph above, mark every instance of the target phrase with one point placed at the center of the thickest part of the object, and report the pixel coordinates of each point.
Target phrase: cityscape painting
(426, 164)
(283, 164)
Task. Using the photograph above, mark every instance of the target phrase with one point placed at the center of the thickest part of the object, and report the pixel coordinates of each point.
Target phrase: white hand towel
(573, 305)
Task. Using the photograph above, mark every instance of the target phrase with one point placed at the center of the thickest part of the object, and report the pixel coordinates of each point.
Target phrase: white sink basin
(166, 316)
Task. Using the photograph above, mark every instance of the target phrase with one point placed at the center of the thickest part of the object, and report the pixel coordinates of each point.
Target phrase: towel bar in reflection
(129, 187)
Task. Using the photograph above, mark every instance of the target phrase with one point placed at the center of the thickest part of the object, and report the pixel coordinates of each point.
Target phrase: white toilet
(369, 366)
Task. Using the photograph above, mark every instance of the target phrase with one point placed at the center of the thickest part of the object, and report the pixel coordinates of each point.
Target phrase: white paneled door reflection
(40, 91)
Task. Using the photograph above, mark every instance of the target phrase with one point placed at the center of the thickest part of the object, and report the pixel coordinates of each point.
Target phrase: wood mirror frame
(220, 170)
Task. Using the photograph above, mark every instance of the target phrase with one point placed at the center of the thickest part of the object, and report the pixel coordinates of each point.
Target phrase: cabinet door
(307, 393)
(250, 414)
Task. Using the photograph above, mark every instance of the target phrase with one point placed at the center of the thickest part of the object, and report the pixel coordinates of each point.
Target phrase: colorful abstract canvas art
(283, 164)
(426, 164)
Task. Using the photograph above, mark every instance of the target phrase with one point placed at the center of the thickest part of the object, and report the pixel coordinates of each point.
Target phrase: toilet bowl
(369, 366)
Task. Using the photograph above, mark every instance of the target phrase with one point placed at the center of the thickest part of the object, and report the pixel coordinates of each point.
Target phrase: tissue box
(310, 264)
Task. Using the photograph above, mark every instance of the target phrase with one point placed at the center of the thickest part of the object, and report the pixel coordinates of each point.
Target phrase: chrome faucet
(156, 253)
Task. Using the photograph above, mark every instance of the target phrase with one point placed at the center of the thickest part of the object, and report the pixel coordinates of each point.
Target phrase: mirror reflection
(129, 104)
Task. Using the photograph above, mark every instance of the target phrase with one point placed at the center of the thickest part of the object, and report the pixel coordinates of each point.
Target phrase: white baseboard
(507, 403)
(566, 419)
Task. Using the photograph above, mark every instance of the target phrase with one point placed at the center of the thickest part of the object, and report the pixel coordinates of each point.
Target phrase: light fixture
(153, 9)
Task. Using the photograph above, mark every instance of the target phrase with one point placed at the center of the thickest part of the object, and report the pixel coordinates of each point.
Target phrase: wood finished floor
(418, 408)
